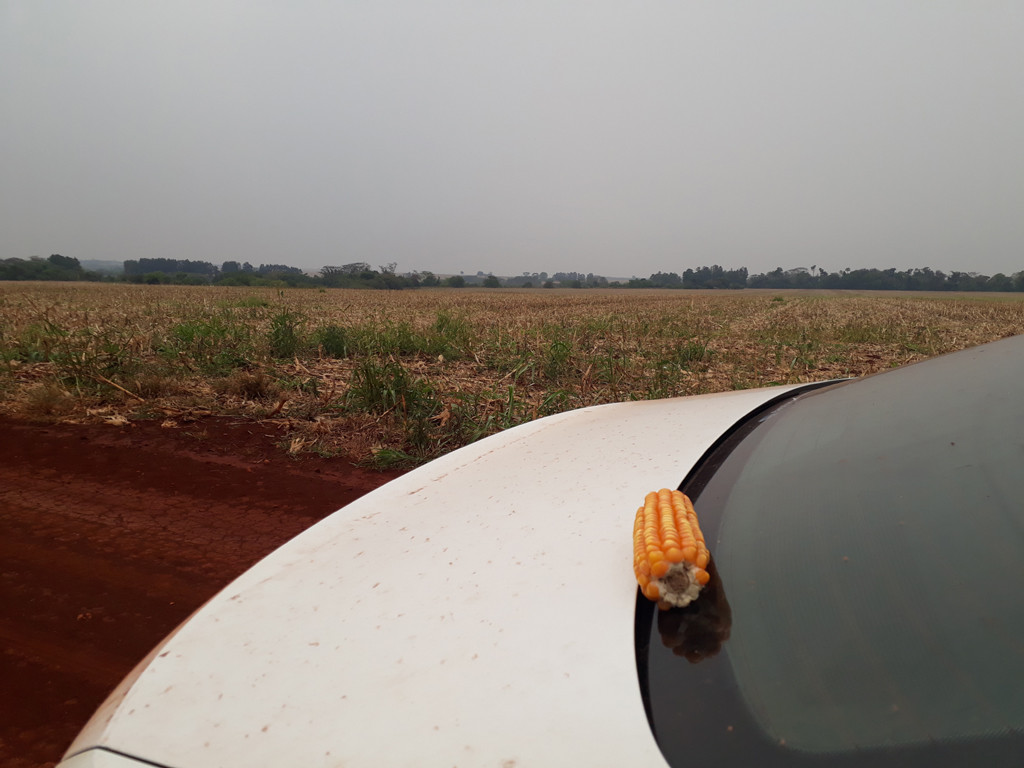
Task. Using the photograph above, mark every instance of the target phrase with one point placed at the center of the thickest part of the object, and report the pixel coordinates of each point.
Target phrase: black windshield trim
(719, 451)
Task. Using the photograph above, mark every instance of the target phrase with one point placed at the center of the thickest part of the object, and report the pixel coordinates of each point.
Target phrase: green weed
(690, 353)
(212, 345)
(556, 360)
(453, 335)
(333, 341)
(284, 334)
(393, 458)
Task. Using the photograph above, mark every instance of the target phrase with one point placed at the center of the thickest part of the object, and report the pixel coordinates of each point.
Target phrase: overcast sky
(620, 137)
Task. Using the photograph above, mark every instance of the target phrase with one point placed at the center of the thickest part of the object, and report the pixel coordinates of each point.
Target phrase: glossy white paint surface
(476, 611)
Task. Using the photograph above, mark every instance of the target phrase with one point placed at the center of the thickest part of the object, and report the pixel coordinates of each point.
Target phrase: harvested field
(397, 377)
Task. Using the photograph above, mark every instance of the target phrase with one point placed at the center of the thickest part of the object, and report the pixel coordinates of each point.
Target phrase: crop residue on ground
(397, 377)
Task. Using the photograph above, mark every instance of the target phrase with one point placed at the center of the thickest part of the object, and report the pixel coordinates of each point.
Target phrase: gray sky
(617, 137)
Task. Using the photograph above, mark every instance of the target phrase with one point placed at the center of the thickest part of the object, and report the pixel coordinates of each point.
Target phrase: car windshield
(868, 560)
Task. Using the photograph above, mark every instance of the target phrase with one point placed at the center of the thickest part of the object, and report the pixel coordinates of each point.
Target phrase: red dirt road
(111, 536)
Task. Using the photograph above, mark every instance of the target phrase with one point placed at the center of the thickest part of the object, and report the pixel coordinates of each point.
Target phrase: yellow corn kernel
(666, 532)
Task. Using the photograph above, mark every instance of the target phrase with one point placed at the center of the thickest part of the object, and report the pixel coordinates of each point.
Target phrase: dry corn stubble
(451, 365)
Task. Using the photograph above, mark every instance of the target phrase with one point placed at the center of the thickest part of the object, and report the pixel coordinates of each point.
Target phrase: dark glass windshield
(866, 604)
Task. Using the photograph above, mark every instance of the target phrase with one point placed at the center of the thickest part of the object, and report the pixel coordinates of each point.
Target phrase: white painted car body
(475, 611)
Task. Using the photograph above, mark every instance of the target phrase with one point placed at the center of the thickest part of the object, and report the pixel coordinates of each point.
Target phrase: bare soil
(112, 536)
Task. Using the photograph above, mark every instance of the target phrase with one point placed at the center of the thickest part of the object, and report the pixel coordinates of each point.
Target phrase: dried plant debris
(403, 376)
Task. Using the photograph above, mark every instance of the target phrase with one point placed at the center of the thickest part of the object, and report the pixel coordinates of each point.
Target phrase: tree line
(56, 267)
(362, 275)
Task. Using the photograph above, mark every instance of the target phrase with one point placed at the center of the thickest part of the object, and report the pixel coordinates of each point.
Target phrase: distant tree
(492, 282)
(455, 281)
(889, 279)
(565, 278)
(347, 275)
(281, 269)
(56, 267)
(666, 280)
(330, 274)
(392, 282)
(185, 278)
(14, 269)
(170, 267)
(774, 279)
(65, 262)
(239, 278)
(715, 277)
(999, 282)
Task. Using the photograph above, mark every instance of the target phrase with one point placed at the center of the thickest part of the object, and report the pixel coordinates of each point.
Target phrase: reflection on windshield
(697, 631)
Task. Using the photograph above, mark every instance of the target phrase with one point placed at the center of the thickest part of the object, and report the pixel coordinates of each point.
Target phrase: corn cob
(669, 554)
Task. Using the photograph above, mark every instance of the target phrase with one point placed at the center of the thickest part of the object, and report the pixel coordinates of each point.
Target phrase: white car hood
(476, 611)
